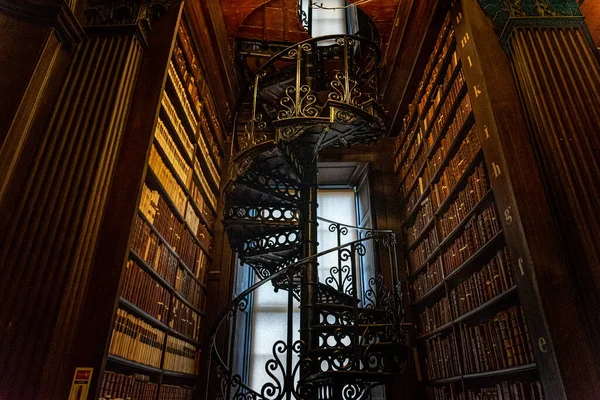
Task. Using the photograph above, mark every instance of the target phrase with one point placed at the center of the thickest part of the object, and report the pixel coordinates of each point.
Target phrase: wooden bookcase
(472, 334)
(154, 351)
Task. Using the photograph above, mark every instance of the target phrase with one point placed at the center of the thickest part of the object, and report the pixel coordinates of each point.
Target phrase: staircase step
(353, 376)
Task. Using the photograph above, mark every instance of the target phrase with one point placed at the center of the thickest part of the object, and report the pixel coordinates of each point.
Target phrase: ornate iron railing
(288, 378)
(310, 85)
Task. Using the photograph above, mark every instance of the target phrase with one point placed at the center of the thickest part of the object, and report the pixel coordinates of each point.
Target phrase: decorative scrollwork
(341, 93)
(301, 104)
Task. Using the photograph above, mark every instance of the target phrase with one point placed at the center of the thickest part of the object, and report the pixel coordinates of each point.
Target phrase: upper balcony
(325, 89)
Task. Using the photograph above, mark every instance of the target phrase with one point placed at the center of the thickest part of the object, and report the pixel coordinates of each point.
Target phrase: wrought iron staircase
(318, 93)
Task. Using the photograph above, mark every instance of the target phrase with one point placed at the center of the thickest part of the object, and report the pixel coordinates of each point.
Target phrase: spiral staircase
(318, 93)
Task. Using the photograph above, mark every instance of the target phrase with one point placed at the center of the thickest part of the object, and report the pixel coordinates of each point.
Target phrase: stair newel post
(298, 79)
(355, 250)
(289, 376)
(309, 316)
(230, 348)
(338, 231)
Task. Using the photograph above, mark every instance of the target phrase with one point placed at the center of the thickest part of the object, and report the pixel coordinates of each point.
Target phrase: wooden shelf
(453, 149)
(155, 181)
(146, 267)
(164, 242)
(458, 186)
(422, 234)
(175, 374)
(440, 287)
(493, 305)
(436, 331)
(135, 365)
(170, 125)
(464, 267)
(426, 262)
(439, 77)
(481, 204)
(171, 91)
(189, 68)
(132, 308)
(520, 369)
(445, 380)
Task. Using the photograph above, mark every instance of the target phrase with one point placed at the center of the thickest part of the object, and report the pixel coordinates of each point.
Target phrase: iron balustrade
(310, 85)
(284, 377)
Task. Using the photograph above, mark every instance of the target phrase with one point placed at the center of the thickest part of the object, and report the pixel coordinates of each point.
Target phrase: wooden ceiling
(277, 19)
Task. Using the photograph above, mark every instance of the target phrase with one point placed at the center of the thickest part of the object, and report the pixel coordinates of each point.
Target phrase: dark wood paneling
(21, 46)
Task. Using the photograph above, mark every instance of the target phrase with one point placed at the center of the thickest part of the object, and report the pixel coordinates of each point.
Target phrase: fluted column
(53, 206)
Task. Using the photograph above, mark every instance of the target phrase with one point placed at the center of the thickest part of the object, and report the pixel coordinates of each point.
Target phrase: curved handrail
(358, 228)
(277, 56)
(242, 297)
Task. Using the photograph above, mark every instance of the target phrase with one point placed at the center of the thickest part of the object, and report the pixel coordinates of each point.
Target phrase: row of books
(446, 392)
(212, 198)
(422, 252)
(136, 340)
(162, 130)
(415, 129)
(174, 232)
(424, 92)
(161, 259)
(171, 392)
(457, 166)
(435, 316)
(187, 76)
(174, 120)
(142, 290)
(164, 144)
(479, 230)
(441, 89)
(493, 279)
(167, 180)
(459, 116)
(434, 65)
(180, 131)
(442, 357)
(190, 288)
(181, 94)
(421, 220)
(502, 391)
(181, 356)
(205, 150)
(427, 280)
(475, 189)
(184, 320)
(203, 207)
(508, 391)
(195, 83)
(115, 386)
(500, 343)
(156, 254)
(462, 112)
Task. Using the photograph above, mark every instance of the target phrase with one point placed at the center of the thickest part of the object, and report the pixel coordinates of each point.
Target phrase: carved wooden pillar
(555, 71)
(52, 207)
(558, 75)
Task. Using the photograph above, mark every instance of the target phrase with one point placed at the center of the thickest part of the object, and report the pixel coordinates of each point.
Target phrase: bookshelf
(154, 348)
(472, 337)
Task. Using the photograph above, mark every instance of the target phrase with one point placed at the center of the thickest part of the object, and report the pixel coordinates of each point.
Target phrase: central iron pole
(309, 315)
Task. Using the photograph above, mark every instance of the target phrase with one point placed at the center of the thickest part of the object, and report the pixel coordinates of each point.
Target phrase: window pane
(329, 21)
(338, 206)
